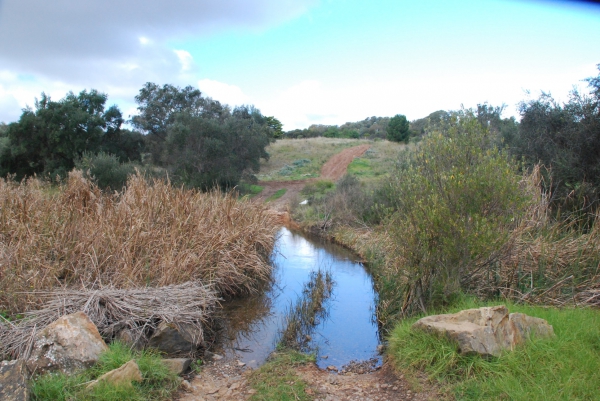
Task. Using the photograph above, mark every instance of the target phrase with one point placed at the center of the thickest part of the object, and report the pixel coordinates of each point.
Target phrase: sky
(303, 61)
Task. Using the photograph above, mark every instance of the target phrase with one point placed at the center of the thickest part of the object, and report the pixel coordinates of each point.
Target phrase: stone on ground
(123, 375)
(13, 381)
(68, 344)
(174, 339)
(485, 331)
(177, 365)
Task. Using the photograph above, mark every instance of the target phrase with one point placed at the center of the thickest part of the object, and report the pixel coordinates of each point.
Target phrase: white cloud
(185, 58)
(224, 93)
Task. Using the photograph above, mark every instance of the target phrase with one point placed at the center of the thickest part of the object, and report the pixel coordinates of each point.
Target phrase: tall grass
(151, 234)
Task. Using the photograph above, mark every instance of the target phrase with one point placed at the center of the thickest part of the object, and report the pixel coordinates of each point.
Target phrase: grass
(277, 379)
(298, 159)
(308, 310)
(250, 189)
(276, 195)
(151, 234)
(566, 367)
(158, 382)
(377, 162)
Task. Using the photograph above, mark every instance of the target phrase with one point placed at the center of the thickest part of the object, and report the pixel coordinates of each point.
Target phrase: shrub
(105, 170)
(454, 200)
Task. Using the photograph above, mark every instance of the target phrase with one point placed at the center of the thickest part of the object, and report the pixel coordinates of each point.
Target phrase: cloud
(114, 46)
(224, 93)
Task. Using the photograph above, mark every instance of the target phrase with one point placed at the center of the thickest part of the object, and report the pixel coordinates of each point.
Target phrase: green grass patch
(158, 382)
(362, 167)
(249, 189)
(276, 195)
(566, 367)
(277, 379)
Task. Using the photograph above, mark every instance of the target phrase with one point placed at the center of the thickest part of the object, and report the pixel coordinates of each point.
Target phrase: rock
(123, 375)
(68, 344)
(130, 338)
(485, 331)
(332, 368)
(13, 381)
(212, 356)
(182, 339)
(178, 365)
(186, 386)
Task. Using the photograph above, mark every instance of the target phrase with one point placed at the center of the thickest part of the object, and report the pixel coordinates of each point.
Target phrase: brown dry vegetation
(151, 234)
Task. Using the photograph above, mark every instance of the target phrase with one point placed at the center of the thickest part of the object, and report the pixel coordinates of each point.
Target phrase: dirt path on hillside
(227, 380)
(333, 170)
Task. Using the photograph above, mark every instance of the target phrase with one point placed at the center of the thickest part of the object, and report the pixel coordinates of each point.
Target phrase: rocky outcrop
(13, 381)
(70, 343)
(122, 376)
(485, 331)
(172, 339)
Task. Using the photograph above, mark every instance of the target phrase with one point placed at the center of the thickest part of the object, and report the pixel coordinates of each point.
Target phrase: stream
(347, 333)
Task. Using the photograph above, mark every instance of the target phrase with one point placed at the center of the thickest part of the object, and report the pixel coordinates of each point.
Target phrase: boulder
(123, 375)
(132, 338)
(485, 331)
(172, 339)
(68, 344)
(13, 381)
(177, 365)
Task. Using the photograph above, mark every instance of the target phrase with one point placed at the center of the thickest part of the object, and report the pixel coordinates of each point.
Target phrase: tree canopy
(50, 139)
(398, 130)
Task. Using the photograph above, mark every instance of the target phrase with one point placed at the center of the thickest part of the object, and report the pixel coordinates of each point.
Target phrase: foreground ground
(226, 380)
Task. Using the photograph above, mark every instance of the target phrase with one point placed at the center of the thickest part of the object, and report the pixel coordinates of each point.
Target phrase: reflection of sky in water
(349, 332)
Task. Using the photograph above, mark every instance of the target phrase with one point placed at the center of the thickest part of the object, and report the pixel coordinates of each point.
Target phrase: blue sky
(304, 61)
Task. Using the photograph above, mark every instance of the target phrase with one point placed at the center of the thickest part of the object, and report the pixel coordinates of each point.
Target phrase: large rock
(70, 343)
(183, 339)
(13, 381)
(485, 331)
(122, 376)
(177, 365)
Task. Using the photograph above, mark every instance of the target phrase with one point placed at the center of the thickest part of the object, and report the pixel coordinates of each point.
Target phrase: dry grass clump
(544, 261)
(151, 234)
(139, 311)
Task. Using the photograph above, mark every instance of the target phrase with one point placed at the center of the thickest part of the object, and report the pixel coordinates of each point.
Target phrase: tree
(398, 130)
(565, 138)
(50, 139)
(159, 108)
(203, 151)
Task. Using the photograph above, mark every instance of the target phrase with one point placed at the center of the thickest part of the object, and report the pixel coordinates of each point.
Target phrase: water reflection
(349, 333)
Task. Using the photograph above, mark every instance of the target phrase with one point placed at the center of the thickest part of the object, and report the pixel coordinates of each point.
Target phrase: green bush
(105, 169)
(452, 204)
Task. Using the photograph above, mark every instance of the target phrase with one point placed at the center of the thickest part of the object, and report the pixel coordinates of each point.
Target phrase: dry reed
(544, 261)
(139, 311)
(150, 235)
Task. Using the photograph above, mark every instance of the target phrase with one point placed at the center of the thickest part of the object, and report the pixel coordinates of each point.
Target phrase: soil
(227, 379)
(333, 170)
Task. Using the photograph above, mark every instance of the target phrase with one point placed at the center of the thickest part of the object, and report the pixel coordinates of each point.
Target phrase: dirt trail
(333, 170)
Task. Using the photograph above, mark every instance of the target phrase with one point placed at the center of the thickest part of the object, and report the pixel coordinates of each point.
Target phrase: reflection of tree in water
(247, 315)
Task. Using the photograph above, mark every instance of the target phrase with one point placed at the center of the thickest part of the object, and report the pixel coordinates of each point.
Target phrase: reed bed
(149, 235)
(544, 261)
(139, 311)
(305, 314)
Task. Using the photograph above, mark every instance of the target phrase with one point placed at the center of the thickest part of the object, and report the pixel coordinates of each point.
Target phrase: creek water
(349, 331)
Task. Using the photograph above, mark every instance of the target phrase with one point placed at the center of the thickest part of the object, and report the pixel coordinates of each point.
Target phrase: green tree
(398, 129)
(50, 139)
(566, 138)
(205, 152)
(275, 127)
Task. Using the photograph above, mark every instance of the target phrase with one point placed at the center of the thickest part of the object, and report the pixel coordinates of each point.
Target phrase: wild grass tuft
(151, 234)
(277, 379)
(566, 367)
(302, 317)
(158, 382)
